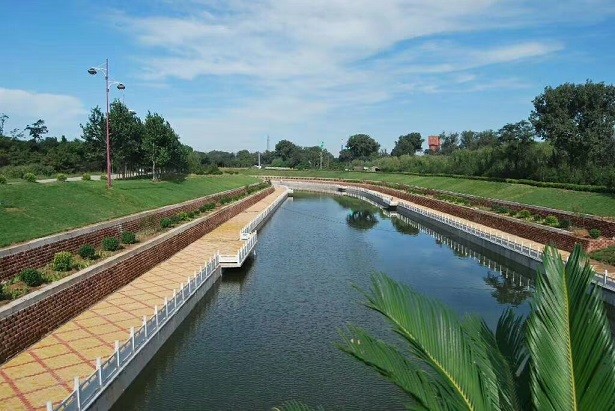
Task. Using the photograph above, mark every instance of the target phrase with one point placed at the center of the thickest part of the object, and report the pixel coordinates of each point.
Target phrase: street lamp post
(93, 71)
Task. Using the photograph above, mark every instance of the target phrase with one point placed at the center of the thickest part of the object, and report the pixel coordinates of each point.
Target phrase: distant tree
(289, 152)
(3, 118)
(16, 134)
(37, 130)
(126, 133)
(362, 146)
(487, 138)
(161, 144)
(408, 144)
(469, 140)
(578, 119)
(450, 142)
(94, 134)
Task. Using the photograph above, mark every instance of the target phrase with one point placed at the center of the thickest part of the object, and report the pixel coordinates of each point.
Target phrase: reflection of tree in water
(403, 227)
(505, 291)
(354, 204)
(361, 220)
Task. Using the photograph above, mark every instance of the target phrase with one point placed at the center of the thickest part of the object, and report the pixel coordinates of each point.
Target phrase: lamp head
(121, 86)
(92, 71)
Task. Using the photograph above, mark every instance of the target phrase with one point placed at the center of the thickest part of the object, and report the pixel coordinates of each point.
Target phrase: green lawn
(31, 210)
(577, 201)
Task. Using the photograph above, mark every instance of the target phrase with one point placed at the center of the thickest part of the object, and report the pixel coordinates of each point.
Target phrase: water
(267, 333)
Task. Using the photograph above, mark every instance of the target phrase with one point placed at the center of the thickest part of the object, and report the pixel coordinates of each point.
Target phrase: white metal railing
(86, 391)
(244, 234)
(508, 242)
(243, 252)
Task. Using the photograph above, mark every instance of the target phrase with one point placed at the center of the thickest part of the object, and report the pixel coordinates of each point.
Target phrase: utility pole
(322, 144)
(259, 159)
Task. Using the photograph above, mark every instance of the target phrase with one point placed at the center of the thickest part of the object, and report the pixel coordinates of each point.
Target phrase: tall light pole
(93, 71)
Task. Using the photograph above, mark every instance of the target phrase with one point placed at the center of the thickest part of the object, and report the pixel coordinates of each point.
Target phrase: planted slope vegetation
(601, 204)
(29, 211)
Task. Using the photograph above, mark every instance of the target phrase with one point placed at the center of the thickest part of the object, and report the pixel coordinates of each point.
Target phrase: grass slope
(29, 210)
(577, 201)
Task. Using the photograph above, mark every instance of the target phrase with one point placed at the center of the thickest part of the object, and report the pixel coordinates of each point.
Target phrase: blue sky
(226, 73)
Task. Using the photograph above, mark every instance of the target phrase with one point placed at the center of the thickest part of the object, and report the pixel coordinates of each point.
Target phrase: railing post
(117, 353)
(77, 393)
(156, 315)
(99, 370)
(166, 306)
(132, 339)
(49, 406)
(145, 325)
(605, 276)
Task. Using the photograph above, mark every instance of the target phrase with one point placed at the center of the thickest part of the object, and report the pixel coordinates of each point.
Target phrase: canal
(266, 334)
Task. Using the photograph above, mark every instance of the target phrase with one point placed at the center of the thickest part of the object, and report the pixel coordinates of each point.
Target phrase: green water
(267, 333)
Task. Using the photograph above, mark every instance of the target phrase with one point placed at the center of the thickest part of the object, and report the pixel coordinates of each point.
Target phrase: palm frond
(425, 391)
(436, 337)
(573, 363)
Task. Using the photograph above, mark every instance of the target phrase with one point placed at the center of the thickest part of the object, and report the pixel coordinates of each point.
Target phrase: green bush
(33, 278)
(183, 216)
(207, 207)
(166, 223)
(87, 252)
(524, 214)
(29, 177)
(128, 237)
(61, 177)
(111, 244)
(12, 291)
(500, 210)
(595, 233)
(63, 261)
(2, 179)
(86, 177)
(606, 255)
(175, 219)
(565, 224)
(552, 221)
(512, 213)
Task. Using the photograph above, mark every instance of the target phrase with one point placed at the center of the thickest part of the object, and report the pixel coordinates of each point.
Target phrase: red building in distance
(434, 143)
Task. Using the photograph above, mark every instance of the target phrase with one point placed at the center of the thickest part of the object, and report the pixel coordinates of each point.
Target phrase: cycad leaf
(436, 337)
(426, 392)
(573, 364)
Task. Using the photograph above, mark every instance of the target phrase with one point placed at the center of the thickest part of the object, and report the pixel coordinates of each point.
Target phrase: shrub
(595, 233)
(31, 277)
(552, 221)
(192, 214)
(13, 291)
(166, 223)
(182, 216)
(111, 244)
(501, 210)
(524, 214)
(128, 237)
(512, 213)
(87, 252)
(86, 177)
(61, 177)
(565, 224)
(207, 207)
(2, 179)
(29, 177)
(63, 261)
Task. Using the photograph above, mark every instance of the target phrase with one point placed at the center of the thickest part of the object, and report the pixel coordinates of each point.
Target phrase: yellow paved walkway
(45, 371)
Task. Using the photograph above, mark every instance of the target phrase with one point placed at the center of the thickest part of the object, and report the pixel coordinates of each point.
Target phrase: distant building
(434, 143)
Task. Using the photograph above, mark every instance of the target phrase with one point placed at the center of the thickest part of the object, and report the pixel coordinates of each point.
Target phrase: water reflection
(509, 286)
(404, 228)
(362, 216)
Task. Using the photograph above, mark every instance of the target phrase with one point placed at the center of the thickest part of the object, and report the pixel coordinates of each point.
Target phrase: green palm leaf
(436, 337)
(573, 364)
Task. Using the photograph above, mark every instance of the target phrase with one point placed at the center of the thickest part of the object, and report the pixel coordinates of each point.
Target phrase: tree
(560, 358)
(408, 144)
(578, 119)
(450, 142)
(126, 132)
(3, 118)
(160, 144)
(289, 152)
(37, 130)
(362, 146)
(94, 134)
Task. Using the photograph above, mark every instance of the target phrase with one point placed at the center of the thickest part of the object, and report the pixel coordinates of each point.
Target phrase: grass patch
(30, 211)
(606, 255)
(601, 204)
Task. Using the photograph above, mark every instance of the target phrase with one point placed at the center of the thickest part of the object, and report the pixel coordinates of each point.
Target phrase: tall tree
(161, 144)
(408, 144)
(94, 134)
(3, 118)
(450, 142)
(362, 146)
(37, 130)
(579, 120)
(126, 133)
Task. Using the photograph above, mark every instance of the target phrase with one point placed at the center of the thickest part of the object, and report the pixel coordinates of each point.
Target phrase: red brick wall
(27, 326)
(12, 265)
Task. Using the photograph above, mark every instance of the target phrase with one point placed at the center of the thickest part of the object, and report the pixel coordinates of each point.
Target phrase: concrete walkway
(45, 371)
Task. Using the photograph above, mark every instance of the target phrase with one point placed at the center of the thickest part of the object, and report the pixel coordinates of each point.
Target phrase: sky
(227, 73)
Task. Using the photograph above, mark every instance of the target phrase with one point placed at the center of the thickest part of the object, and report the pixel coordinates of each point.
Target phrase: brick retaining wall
(37, 253)
(25, 326)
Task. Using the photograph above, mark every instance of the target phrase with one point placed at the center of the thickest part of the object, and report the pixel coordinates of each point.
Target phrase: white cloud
(61, 113)
(311, 58)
